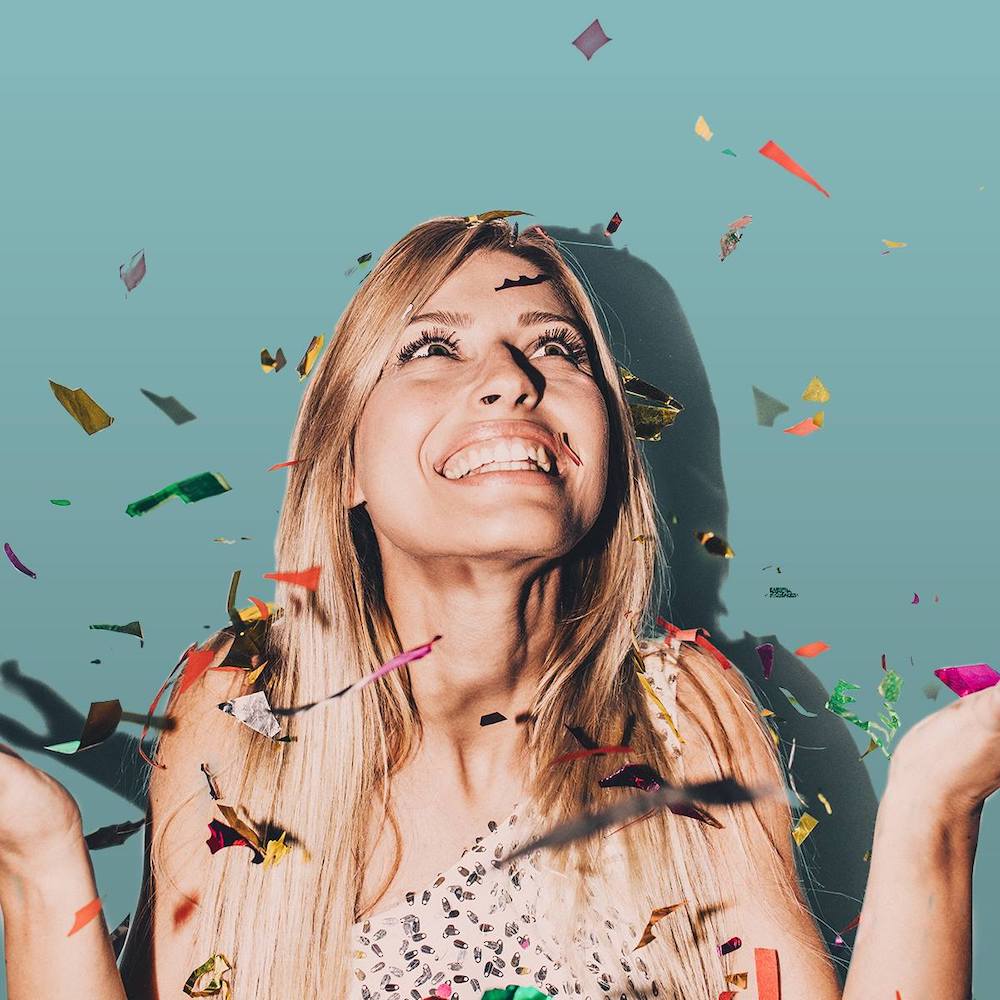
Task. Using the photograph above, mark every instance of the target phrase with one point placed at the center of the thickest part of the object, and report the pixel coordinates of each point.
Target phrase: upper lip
(526, 429)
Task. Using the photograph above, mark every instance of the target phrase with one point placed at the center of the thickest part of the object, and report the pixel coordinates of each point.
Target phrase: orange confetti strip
(84, 915)
(774, 152)
(283, 465)
(197, 663)
(261, 607)
(308, 578)
(807, 426)
(768, 975)
(698, 639)
(812, 649)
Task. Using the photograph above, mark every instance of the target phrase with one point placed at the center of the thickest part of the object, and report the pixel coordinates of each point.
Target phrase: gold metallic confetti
(275, 851)
(803, 828)
(654, 918)
(815, 391)
(496, 213)
(715, 544)
(304, 367)
(207, 980)
(269, 364)
(78, 404)
(737, 979)
(893, 245)
(826, 803)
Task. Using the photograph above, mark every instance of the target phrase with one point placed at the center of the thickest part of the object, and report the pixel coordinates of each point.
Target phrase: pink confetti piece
(16, 563)
(803, 428)
(84, 915)
(766, 653)
(916, 599)
(968, 679)
(135, 271)
(591, 39)
(442, 991)
(408, 656)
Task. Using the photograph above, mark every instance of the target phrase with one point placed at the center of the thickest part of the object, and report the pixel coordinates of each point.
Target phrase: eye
(428, 338)
(573, 347)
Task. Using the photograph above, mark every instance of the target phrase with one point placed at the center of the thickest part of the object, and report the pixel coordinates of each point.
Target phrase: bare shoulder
(179, 809)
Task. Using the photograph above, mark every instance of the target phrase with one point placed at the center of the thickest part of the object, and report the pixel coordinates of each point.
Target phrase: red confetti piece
(768, 974)
(699, 639)
(803, 428)
(197, 663)
(728, 995)
(308, 578)
(84, 915)
(16, 563)
(774, 152)
(282, 465)
(812, 649)
(264, 610)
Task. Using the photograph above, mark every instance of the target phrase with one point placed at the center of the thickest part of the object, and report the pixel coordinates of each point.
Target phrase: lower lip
(526, 476)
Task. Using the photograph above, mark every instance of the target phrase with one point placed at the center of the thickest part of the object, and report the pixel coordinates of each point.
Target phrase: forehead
(472, 288)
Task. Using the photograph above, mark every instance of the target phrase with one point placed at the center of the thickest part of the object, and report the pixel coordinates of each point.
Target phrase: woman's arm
(39, 902)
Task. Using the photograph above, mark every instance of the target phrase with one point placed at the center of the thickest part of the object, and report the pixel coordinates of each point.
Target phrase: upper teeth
(503, 450)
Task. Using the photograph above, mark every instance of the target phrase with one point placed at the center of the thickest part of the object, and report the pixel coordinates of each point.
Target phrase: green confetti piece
(890, 687)
(191, 490)
(793, 701)
(60, 503)
(71, 747)
(133, 628)
(728, 152)
(515, 993)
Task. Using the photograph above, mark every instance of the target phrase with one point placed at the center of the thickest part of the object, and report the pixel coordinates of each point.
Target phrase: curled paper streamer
(16, 563)
(793, 701)
(207, 980)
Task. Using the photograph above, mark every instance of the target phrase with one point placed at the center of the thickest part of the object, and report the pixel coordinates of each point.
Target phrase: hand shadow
(115, 764)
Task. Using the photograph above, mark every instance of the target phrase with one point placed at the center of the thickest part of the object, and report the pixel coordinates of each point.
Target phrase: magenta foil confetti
(968, 679)
(766, 653)
(135, 271)
(16, 563)
(591, 39)
(640, 776)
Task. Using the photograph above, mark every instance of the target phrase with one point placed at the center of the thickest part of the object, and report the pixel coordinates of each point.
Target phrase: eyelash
(576, 349)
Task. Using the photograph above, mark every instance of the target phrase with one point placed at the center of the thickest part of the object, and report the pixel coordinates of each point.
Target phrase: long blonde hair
(287, 928)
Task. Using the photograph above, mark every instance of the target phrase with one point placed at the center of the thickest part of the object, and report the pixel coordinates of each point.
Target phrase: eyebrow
(465, 320)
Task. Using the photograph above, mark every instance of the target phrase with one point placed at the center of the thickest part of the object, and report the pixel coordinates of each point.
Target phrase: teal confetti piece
(60, 503)
(191, 490)
(793, 701)
(728, 152)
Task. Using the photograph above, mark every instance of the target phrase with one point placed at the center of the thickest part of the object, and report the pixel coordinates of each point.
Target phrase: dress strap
(659, 679)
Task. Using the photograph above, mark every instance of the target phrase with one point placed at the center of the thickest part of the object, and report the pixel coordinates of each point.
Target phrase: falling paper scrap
(968, 679)
(701, 128)
(102, 720)
(133, 628)
(78, 404)
(114, 835)
(648, 420)
(84, 915)
(591, 39)
(207, 980)
(135, 271)
(774, 152)
(612, 226)
(766, 653)
(254, 711)
(16, 563)
(308, 578)
(490, 216)
(191, 490)
(270, 364)
(793, 701)
(805, 427)
(177, 411)
(715, 544)
(728, 152)
(768, 408)
(492, 719)
(654, 918)
(812, 649)
(304, 367)
(364, 259)
(815, 391)
(61, 503)
(803, 828)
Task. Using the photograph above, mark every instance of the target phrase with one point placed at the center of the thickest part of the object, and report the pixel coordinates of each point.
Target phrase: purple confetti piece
(766, 653)
(916, 599)
(135, 271)
(591, 39)
(968, 679)
(17, 564)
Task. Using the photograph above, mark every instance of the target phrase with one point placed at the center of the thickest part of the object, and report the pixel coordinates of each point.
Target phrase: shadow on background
(650, 335)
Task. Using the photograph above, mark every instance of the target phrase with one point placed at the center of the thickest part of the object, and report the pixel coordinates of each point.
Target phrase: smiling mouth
(522, 465)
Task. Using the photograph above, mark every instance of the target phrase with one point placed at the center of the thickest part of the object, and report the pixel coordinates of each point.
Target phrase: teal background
(254, 152)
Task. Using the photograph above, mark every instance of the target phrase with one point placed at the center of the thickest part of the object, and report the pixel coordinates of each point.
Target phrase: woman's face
(497, 385)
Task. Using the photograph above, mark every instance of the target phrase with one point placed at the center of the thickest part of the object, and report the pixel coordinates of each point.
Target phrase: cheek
(388, 439)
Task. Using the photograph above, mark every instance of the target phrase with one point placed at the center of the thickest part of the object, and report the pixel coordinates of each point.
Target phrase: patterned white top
(475, 928)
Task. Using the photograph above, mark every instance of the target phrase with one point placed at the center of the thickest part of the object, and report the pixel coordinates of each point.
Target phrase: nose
(511, 376)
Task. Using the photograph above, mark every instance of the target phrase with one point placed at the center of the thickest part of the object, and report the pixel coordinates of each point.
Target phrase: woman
(466, 347)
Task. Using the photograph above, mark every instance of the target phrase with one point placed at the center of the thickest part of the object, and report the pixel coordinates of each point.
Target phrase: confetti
(591, 39)
(726, 791)
(521, 281)
(931, 691)
(442, 991)
(177, 411)
(767, 407)
(515, 993)
(715, 544)
(254, 711)
(826, 803)
(612, 226)
(893, 245)
(815, 391)
(811, 649)
(101, 722)
(968, 679)
(282, 465)
(191, 490)
(728, 152)
(200, 660)
(766, 653)
(269, 364)
(793, 701)
(741, 222)
(728, 243)
(805, 825)
(492, 719)
(60, 503)
(400, 660)
(207, 980)
(135, 271)
(916, 599)
(780, 592)
(84, 915)
(304, 367)
(275, 851)
(16, 563)
(768, 974)
(365, 258)
(804, 427)
(737, 979)
(729, 946)
(79, 405)
(640, 776)
(654, 918)
(308, 578)
(701, 129)
(569, 451)
(496, 213)
(133, 628)
(112, 836)
(774, 152)
(119, 934)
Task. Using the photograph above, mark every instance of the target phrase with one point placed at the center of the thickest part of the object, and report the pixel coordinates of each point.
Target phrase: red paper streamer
(773, 151)
(282, 465)
(308, 578)
(768, 975)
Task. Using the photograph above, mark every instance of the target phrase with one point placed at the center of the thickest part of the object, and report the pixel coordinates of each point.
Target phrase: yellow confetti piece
(644, 681)
(766, 713)
(818, 417)
(803, 828)
(275, 851)
(893, 243)
(826, 804)
(304, 367)
(701, 128)
(78, 404)
(815, 391)
(654, 918)
(867, 856)
(738, 980)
